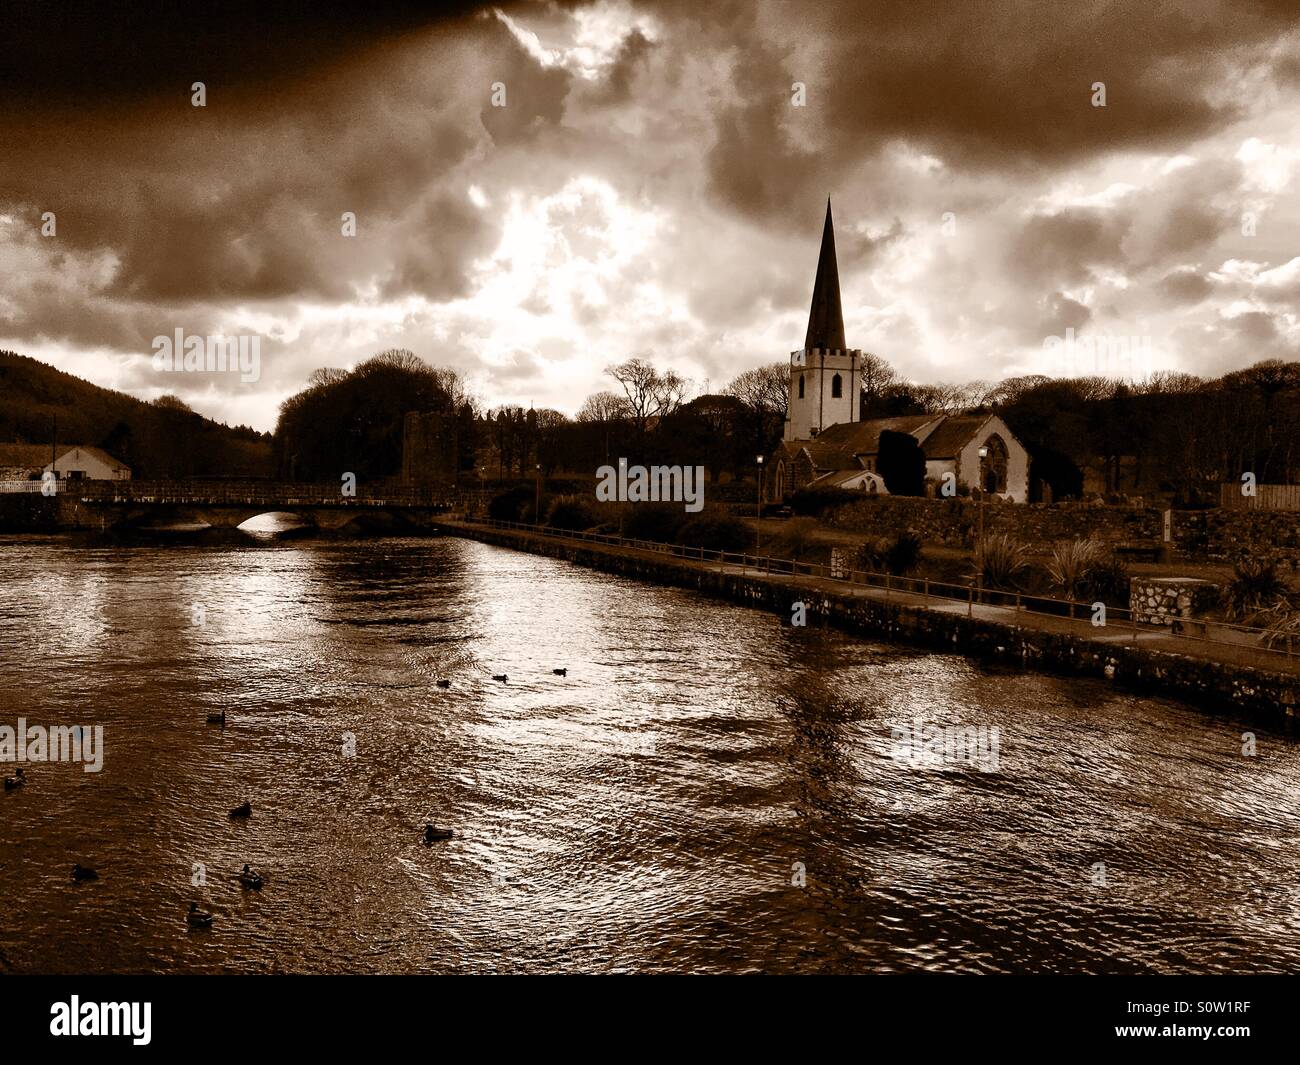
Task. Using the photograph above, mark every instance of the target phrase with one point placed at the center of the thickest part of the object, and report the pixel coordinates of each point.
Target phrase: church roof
(826, 318)
(824, 456)
(863, 438)
(953, 434)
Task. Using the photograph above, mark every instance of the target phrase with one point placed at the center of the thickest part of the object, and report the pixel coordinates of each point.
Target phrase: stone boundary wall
(1209, 535)
(1267, 696)
(1164, 600)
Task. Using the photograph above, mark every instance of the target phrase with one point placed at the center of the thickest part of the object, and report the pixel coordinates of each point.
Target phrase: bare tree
(325, 376)
(650, 394)
(764, 390)
(603, 407)
(604, 410)
(877, 375)
(1171, 382)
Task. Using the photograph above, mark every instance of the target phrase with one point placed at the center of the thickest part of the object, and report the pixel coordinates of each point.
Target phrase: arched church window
(801, 387)
(837, 387)
(993, 465)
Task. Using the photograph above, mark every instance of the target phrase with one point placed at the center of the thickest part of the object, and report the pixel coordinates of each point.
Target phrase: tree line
(1173, 432)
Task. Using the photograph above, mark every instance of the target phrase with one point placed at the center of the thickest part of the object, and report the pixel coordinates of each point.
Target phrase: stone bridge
(225, 504)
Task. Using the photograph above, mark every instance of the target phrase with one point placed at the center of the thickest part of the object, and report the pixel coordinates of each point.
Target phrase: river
(707, 789)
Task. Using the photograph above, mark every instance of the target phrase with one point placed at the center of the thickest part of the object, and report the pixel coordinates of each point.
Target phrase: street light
(537, 504)
(760, 503)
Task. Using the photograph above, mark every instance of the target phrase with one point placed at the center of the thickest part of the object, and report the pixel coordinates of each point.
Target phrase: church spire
(826, 319)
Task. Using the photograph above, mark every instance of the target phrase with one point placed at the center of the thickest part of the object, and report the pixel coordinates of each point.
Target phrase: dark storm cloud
(649, 189)
(999, 86)
(243, 199)
(91, 53)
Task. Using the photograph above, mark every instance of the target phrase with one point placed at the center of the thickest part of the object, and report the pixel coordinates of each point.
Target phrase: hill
(159, 439)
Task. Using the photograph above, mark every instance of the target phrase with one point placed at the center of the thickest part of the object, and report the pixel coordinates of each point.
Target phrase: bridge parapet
(268, 494)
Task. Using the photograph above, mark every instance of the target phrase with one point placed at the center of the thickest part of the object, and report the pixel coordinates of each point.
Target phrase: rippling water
(646, 812)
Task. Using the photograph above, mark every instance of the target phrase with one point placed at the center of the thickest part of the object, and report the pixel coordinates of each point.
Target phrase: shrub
(889, 554)
(901, 462)
(572, 512)
(813, 502)
(870, 554)
(1256, 585)
(716, 531)
(658, 522)
(1282, 621)
(1002, 561)
(796, 540)
(1071, 565)
(508, 505)
(1108, 581)
(903, 554)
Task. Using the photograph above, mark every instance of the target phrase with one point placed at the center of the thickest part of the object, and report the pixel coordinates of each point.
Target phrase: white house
(81, 463)
(21, 464)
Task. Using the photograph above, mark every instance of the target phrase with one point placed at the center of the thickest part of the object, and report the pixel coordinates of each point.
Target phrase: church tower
(825, 377)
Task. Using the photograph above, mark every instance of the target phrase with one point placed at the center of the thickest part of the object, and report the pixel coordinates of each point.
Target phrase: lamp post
(760, 503)
(537, 504)
(979, 547)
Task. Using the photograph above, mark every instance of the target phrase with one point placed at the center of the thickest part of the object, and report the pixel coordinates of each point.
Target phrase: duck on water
(433, 835)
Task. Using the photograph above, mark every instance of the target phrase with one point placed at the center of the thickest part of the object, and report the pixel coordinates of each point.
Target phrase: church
(826, 444)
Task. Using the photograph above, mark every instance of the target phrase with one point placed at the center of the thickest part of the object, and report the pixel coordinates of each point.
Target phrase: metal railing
(26, 486)
(1241, 638)
(253, 493)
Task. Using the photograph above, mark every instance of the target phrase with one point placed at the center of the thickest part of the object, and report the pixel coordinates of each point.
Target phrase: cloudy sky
(651, 187)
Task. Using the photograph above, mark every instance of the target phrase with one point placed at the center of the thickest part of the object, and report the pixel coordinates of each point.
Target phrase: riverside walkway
(1227, 645)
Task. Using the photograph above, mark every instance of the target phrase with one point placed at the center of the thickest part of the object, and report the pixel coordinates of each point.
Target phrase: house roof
(952, 435)
(863, 438)
(37, 456)
(96, 452)
(33, 455)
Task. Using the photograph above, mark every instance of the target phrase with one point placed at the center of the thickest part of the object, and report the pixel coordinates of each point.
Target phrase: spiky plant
(1002, 561)
(903, 554)
(1071, 566)
(1256, 586)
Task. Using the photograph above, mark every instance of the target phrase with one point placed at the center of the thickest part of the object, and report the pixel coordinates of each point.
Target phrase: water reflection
(705, 790)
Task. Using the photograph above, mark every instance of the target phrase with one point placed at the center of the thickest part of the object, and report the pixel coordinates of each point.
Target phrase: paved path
(1118, 634)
